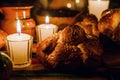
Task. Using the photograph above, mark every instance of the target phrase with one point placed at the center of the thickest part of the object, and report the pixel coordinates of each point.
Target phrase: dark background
(113, 3)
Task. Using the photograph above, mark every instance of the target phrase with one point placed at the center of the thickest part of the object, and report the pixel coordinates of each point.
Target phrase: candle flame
(18, 27)
(99, 0)
(47, 19)
(24, 14)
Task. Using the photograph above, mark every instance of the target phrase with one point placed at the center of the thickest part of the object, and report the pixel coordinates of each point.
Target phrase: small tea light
(98, 6)
(45, 30)
(19, 48)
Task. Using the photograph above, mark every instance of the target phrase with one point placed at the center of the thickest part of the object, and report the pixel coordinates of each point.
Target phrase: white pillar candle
(96, 7)
(45, 30)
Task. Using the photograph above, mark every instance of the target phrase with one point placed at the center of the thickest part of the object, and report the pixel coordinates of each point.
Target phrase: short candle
(19, 48)
(45, 30)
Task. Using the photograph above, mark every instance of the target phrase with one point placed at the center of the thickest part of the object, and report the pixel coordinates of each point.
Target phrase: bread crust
(89, 24)
(69, 47)
(109, 24)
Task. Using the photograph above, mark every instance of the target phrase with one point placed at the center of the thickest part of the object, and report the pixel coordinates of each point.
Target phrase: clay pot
(12, 14)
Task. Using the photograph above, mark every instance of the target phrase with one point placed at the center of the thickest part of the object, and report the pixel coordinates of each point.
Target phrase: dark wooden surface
(36, 71)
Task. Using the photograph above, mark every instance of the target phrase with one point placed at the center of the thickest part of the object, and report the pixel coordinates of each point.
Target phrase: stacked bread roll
(81, 44)
(72, 47)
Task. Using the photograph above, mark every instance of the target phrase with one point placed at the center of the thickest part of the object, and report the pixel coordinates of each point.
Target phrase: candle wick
(19, 33)
(47, 23)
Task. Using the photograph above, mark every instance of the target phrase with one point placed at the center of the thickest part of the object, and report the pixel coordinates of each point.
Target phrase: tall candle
(19, 48)
(45, 30)
(78, 5)
(98, 6)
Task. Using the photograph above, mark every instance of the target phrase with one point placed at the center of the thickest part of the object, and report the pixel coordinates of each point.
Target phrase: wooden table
(36, 71)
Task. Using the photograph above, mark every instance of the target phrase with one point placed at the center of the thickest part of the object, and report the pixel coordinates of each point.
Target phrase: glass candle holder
(45, 30)
(19, 49)
(96, 7)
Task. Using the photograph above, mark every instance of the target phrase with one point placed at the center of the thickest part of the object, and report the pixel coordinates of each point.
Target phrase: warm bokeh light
(69, 5)
(77, 1)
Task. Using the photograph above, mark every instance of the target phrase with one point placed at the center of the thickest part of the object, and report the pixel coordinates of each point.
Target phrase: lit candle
(77, 4)
(19, 48)
(96, 7)
(45, 30)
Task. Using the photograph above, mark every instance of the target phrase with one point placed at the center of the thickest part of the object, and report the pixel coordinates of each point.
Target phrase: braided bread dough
(109, 24)
(89, 24)
(69, 48)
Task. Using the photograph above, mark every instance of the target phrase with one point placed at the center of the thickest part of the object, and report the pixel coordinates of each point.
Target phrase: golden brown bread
(72, 35)
(3, 35)
(91, 49)
(89, 24)
(64, 54)
(109, 24)
(69, 47)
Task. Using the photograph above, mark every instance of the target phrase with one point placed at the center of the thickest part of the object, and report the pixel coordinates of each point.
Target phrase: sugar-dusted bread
(109, 27)
(70, 48)
(109, 24)
(89, 24)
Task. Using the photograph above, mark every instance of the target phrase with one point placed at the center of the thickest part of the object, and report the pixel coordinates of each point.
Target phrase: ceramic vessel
(12, 14)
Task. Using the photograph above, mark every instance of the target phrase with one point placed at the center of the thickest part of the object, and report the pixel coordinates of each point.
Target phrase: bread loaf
(89, 25)
(3, 35)
(109, 27)
(69, 49)
(109, 24)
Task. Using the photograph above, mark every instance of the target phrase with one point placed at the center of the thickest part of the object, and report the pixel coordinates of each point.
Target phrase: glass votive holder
(45, 30)
(19, 49)
(96, 7)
